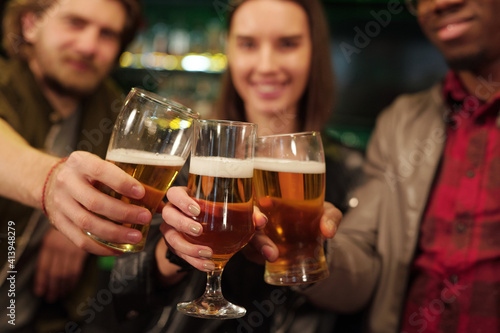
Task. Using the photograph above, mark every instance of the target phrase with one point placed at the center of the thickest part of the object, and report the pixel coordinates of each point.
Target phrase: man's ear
(29, 26)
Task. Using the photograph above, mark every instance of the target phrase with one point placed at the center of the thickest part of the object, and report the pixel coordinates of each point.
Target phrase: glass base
(295, 275)
(123, 247)
(211, 308)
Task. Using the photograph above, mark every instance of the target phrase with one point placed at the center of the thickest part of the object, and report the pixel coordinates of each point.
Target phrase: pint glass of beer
(289, 179)
(220, 180)
(151, 140)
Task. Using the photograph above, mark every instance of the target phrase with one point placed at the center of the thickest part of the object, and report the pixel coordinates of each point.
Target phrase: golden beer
(223, 189)
(291, 194)
(155, 171)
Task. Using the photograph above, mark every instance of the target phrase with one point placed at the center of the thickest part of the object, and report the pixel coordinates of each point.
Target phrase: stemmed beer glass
(220, 180)
(290, 190)
(151, 141)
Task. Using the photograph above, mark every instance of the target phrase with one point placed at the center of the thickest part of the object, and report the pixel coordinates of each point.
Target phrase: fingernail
(331, 226)
(262, 221)
(209, 267)
(134, 237)
(194, 210)
(137, 191)
(205, 254)
(144, 217)
(266, 251)
(195, 229)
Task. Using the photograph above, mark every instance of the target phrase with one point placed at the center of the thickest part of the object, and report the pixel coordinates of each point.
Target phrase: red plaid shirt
(455, 284)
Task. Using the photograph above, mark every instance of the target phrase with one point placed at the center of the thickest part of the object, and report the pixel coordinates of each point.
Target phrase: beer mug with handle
(151, 141)
(220, 180)
(289, 179)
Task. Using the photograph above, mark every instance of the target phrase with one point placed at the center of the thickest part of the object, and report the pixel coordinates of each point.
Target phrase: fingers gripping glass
(221, 181)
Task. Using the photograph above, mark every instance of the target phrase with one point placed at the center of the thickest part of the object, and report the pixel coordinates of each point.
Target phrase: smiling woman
(269, 57)
(279, 66)
(280, 77)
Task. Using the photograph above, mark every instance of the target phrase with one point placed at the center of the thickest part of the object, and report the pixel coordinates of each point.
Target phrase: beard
(66, 71)
(64, 80)
(74, 84)
(66, 89)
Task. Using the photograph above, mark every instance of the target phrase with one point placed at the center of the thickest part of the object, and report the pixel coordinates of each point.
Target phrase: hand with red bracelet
(66, 188)
(73, 204)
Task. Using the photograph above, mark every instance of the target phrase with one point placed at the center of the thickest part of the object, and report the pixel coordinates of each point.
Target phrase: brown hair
(316, 103)
(13, 39)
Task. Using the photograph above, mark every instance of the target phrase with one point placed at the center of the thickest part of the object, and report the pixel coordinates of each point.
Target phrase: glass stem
(213, 289)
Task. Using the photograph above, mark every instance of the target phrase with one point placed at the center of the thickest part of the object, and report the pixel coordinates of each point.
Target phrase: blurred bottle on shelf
(198, 40)
(179, 41)
(159, 50)
(216, 37)
(160, 37)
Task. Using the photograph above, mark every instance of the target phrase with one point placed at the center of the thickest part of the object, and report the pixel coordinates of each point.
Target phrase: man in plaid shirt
(422, 247)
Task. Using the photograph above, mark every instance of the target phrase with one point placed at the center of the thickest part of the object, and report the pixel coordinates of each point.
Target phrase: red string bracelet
(62, 160)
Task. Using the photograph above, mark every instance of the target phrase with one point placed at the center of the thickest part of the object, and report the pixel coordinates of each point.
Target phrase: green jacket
(25, 108)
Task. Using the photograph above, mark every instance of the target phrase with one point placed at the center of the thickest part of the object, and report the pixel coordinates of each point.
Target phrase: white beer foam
(284, 165)
(221, 167)
(133, 156)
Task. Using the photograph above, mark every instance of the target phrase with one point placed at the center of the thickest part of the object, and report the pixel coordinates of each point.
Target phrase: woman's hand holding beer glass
(220, 183)
(324, 221)
(178, 214)
(180, 209)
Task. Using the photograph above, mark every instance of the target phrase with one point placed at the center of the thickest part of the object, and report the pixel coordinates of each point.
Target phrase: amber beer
(291, 194)
(223, 189)
(155, 171)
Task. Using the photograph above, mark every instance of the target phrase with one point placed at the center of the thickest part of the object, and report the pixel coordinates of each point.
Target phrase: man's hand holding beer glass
(70, 199)
(150, 141)
(113, 201)
(74, 204)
